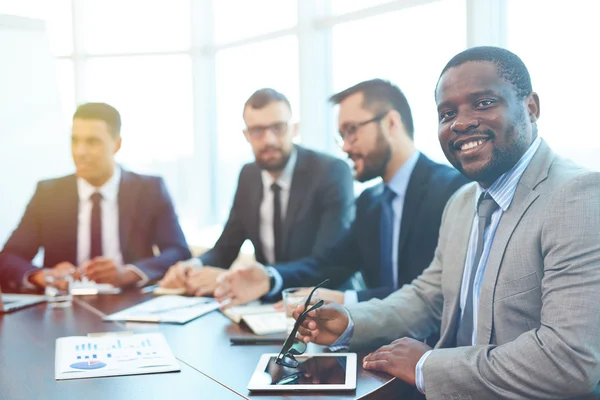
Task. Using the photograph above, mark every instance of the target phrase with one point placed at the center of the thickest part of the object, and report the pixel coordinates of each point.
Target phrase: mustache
(268, 148)
(488, 133)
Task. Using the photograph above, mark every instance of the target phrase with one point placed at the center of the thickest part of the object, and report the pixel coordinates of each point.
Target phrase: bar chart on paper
(112, 355)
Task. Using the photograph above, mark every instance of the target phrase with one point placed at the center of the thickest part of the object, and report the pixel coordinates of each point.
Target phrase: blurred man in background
(101, 222)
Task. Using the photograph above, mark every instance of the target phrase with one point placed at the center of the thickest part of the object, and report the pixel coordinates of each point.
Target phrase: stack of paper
(167, 309)
(112, 355)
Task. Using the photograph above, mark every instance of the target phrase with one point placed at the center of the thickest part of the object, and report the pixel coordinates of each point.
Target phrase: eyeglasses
(293, 346)
(349, 133)
(258, 131)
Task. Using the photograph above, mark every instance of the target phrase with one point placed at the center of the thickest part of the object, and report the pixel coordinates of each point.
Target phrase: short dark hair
(508, 65)
(379, 94)
(265, 96)
(103, 112)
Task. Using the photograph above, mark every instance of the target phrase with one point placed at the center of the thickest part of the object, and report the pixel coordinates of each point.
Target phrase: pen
(148, 289)
(255, 340)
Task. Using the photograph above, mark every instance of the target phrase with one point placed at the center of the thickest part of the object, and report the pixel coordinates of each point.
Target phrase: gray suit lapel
(255, 195)
(536, 172)
(454, 263)
(127, 200)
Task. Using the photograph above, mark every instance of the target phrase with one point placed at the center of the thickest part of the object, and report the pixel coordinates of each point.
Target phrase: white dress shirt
(267, 237)
(111, 244)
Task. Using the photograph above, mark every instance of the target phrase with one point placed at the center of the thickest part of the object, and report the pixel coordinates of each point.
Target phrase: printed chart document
(167, 309)
(262, 319)
(112, 355)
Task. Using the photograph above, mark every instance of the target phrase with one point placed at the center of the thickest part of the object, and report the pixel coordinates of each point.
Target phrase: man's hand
(242, 284)
(37, 278)
(176, 276)
(324, 325)
(104, 270)
(203, 281)
(398, 359)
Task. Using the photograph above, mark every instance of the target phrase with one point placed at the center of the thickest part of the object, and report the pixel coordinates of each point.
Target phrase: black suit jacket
(429, 188)
(146, 218)
(320, 209)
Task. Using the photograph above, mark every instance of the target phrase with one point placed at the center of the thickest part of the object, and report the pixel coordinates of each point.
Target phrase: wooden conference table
(211, 368)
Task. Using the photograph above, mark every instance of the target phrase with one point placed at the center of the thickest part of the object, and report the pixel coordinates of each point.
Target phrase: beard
(275, 165)
(503, 158)
(376, 162)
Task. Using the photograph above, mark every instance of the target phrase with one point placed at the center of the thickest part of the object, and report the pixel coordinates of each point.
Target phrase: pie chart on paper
(88, 365)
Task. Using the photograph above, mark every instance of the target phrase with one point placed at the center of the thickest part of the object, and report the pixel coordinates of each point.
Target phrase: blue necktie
(485, 209)
(386, 237)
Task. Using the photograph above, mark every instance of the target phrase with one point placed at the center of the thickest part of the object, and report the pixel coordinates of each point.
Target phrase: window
(136, 26)
(235, 19)
(241, 71)
(154, 96)
(348, 6)
(381, 47)
(563, 64)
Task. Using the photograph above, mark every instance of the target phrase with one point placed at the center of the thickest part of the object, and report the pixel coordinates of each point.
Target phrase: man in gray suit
(291, 203)
(515, 280)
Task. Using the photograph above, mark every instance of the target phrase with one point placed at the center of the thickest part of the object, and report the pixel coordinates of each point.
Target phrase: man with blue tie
(515, 280)
(394, 234)
(102, 221)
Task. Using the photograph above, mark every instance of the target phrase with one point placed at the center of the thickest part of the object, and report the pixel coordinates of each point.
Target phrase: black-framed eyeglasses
(293, 346)
(349, 132)
(258, 131)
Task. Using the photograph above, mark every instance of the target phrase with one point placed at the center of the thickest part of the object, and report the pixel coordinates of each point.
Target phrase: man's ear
(533, 106)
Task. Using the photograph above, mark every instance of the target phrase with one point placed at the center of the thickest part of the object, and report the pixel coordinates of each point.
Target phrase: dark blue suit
(429, 188)
(146, 219)
(320, 209)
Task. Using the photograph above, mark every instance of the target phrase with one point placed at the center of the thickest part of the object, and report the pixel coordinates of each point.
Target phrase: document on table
(86, 287)
(262, 319)
(112, 354)
(167, 309)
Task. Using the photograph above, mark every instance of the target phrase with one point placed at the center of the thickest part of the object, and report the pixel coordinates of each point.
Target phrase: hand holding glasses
(292, 346)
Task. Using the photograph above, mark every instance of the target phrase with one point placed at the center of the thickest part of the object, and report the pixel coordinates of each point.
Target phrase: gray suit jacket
(538, 331)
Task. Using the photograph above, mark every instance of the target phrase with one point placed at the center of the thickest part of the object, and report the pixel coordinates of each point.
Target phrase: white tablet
(322, 371)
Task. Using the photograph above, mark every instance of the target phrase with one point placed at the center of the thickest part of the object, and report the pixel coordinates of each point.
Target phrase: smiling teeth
(470, 145)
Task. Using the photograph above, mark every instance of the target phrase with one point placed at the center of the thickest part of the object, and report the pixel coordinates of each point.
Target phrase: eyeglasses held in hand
(293, 346)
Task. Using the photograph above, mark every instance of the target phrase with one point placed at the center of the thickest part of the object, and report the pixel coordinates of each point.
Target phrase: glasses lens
(288, 360)
(298, 347)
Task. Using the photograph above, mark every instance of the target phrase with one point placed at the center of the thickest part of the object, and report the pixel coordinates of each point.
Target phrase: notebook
(11, 302)
(112, 354)
(167, 309)
(262, 319)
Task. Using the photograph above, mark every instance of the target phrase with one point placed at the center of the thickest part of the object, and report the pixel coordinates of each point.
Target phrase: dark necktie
(96, 227)
(485, 209)
(386, 237)
(277, 238)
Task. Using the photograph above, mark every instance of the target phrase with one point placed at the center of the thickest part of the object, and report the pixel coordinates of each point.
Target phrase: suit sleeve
(226, 250)
(559, 359)
(332, 242)
(168, 237)
(23, 244)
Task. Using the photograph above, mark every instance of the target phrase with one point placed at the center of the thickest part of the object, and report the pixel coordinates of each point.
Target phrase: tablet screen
(310, 371)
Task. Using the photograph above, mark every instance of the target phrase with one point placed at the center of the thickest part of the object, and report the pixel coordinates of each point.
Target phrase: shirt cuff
(143, 277)
(193, 263)
(419, 379)
(343, 342)
(25, 281)
(277, 286)
(350, 297)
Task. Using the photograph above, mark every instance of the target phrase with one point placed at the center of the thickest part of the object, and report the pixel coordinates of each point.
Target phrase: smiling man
(103, 221)
(290, 202)
(515, 280)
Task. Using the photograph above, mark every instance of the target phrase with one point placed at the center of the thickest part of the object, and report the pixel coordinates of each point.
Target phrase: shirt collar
(503, 189)
(285, 179)
(109, 190)
(399, 181)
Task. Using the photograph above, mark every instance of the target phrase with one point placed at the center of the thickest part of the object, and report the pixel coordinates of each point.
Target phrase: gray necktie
(485, 209)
